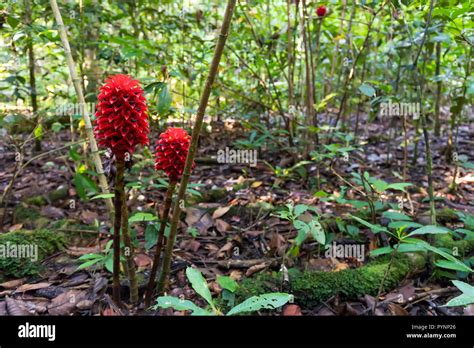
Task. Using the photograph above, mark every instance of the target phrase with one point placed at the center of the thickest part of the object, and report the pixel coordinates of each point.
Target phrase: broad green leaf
(179, 305)
(367, 90)
(400, 186)
(300, 209)
(464, 287)
(429, 229)
(317, 231)
(461, 300)
(401, 224)
(394, 215)
(199, 285)
(445, 255)
(139, 217)
(227, 283)
(256, 303)
(450, 265)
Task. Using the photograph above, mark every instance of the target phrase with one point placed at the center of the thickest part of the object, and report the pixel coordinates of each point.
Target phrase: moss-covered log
(310, 288)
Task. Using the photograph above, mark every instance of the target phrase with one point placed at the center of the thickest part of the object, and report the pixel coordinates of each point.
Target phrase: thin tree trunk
(194, 141)
(84, 110)
(159, 243)
(437, 125)
(31, 69)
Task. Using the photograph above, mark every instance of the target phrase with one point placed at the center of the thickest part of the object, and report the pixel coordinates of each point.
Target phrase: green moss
(215, 195)
(43, 242)
(457, 247)
(58, 194)
(23, 213)
(35, 200)
(310, 288)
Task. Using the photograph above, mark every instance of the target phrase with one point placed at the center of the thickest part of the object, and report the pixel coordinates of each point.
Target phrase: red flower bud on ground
(321, 11)
(171, 152)
(121, 118)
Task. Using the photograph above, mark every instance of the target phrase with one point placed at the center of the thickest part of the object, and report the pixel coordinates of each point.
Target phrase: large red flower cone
(121, 119)
(171, 151)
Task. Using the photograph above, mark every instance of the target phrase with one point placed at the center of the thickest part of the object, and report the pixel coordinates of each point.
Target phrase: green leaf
(88, 264)
(256, 303)
(403, 224)
(12, 21)
(394, 215)
(374, 228)
(461, 300)
(367, 90)
(300, 209)
(464, 287)
(450, 265)
(103, 195)
(445, 255)
(179, 305)
(151, 235)
(164, 101)
(38, 132)
(429, 229)
(400, 186)
(56, 127)
(317, 231)
(199, 285)
(140, 217)
(84, 185)
(227, 283)
(381, 251)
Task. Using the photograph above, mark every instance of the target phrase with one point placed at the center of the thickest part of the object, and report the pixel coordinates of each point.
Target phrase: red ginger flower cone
(171, 152)
(121, 118)
(321, 11)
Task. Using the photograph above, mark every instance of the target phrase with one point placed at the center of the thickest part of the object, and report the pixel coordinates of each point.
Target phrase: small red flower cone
(321, 11)
(121, 119)
(171, 152)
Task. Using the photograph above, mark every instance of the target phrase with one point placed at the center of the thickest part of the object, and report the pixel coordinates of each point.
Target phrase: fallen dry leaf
(292, 310)
(12, 284)
(219, 212)
(15, 227)
(222, 226)
(396, 309)
(30, 287)
(65, 303)
(142, 260)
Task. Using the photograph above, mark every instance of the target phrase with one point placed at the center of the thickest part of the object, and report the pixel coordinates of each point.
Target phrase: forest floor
(235, 232)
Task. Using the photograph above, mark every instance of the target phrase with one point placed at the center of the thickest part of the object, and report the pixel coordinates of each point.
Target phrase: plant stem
(119, 187)
(129, 254)
(159, 243)
(82, 103)
(195, 137)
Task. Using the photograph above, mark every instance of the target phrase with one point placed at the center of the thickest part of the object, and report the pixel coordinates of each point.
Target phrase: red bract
(171, 152)
(321, 11)
(121, 118)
